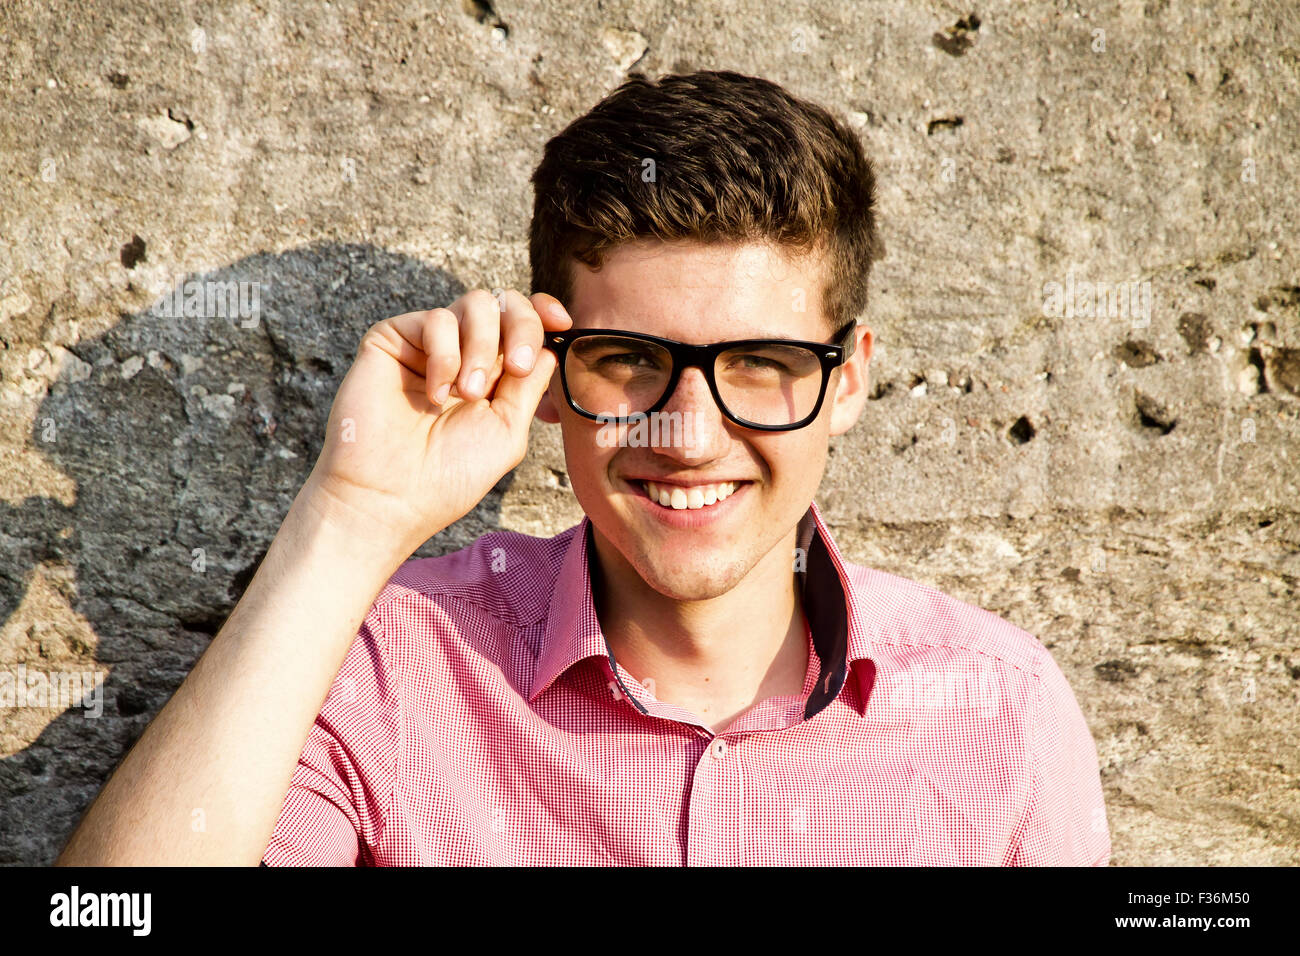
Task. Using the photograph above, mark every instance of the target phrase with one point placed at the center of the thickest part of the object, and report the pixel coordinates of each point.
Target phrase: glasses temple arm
(848, 339)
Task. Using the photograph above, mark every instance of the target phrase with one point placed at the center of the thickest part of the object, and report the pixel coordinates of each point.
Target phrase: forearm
(225, 746)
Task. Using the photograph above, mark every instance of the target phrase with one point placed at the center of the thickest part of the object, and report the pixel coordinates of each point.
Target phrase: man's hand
(434, 411)
(416, 439)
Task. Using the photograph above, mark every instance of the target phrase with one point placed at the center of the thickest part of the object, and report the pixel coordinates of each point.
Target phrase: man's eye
(628, 360)
(757, 362)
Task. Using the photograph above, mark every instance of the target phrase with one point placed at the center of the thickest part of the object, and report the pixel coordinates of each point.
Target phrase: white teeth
(693, 498)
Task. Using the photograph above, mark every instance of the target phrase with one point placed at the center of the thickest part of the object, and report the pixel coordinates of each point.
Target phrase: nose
(697, 428)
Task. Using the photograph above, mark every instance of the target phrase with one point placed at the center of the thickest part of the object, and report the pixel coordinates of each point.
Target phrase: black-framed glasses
(613, 376)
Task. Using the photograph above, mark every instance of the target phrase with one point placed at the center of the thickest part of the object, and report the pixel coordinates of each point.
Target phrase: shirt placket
(716, 822)
(719, 801)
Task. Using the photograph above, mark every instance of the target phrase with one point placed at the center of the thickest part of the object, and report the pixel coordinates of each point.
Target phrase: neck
(715, 657)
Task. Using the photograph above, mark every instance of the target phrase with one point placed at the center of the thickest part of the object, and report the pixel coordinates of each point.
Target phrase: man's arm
(1065, 819)
(397, 467)
(227, 742)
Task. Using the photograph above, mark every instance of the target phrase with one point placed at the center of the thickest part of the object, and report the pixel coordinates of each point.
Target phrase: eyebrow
(760, 334)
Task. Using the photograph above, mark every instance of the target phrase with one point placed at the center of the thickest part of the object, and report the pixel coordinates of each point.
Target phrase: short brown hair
(735, 158)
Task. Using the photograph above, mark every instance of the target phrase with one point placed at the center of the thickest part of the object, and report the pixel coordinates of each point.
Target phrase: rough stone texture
(1124, 489)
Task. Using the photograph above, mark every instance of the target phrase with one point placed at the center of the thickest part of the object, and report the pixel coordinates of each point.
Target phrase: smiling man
(694, 674)
(695, 542)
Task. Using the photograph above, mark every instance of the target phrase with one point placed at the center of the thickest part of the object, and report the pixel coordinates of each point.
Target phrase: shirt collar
(840, 634)
(572, 630)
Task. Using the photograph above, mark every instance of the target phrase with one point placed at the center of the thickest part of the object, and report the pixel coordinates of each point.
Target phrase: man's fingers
(401, 337)
(480, 341)
(555, 317)
(466, 347)
(385, 376)
(521, 333)
(517, 397)
(442, 353)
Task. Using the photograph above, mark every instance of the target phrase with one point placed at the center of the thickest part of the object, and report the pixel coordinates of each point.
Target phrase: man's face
(701, 294)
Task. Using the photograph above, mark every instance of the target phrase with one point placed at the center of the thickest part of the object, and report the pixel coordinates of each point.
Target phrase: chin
(698, 580)
(680, 564)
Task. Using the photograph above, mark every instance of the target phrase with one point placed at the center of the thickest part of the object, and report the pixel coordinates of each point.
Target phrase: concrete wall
(1123, 486)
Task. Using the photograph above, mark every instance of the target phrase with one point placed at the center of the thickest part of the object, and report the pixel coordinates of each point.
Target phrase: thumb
(516, 398)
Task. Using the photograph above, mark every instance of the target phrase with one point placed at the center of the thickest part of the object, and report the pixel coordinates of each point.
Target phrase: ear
(547, 409)
(850, 384)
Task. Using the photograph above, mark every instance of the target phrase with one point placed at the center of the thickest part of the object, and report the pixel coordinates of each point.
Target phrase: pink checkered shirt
(480, 718)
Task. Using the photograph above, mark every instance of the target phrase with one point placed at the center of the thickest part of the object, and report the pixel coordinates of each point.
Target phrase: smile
(693, 498)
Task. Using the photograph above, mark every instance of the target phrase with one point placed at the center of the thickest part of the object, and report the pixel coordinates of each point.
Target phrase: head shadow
(187, 429)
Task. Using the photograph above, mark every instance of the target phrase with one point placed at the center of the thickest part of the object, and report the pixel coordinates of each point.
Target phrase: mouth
(686, 507)
(688, 497)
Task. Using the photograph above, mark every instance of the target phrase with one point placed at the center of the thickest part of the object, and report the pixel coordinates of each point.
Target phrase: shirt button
(719, 749)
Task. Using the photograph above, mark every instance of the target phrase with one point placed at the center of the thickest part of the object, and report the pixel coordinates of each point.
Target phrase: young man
(694, 674)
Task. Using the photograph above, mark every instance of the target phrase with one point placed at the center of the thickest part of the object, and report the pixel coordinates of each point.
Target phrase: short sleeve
(318, 824)
(1064, 823)
(334, 809)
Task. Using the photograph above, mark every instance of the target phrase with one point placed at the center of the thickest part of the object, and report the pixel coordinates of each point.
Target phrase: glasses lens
(613, 375)
(769, 384)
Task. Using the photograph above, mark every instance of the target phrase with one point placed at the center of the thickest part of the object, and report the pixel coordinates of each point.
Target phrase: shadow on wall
(188, 432)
